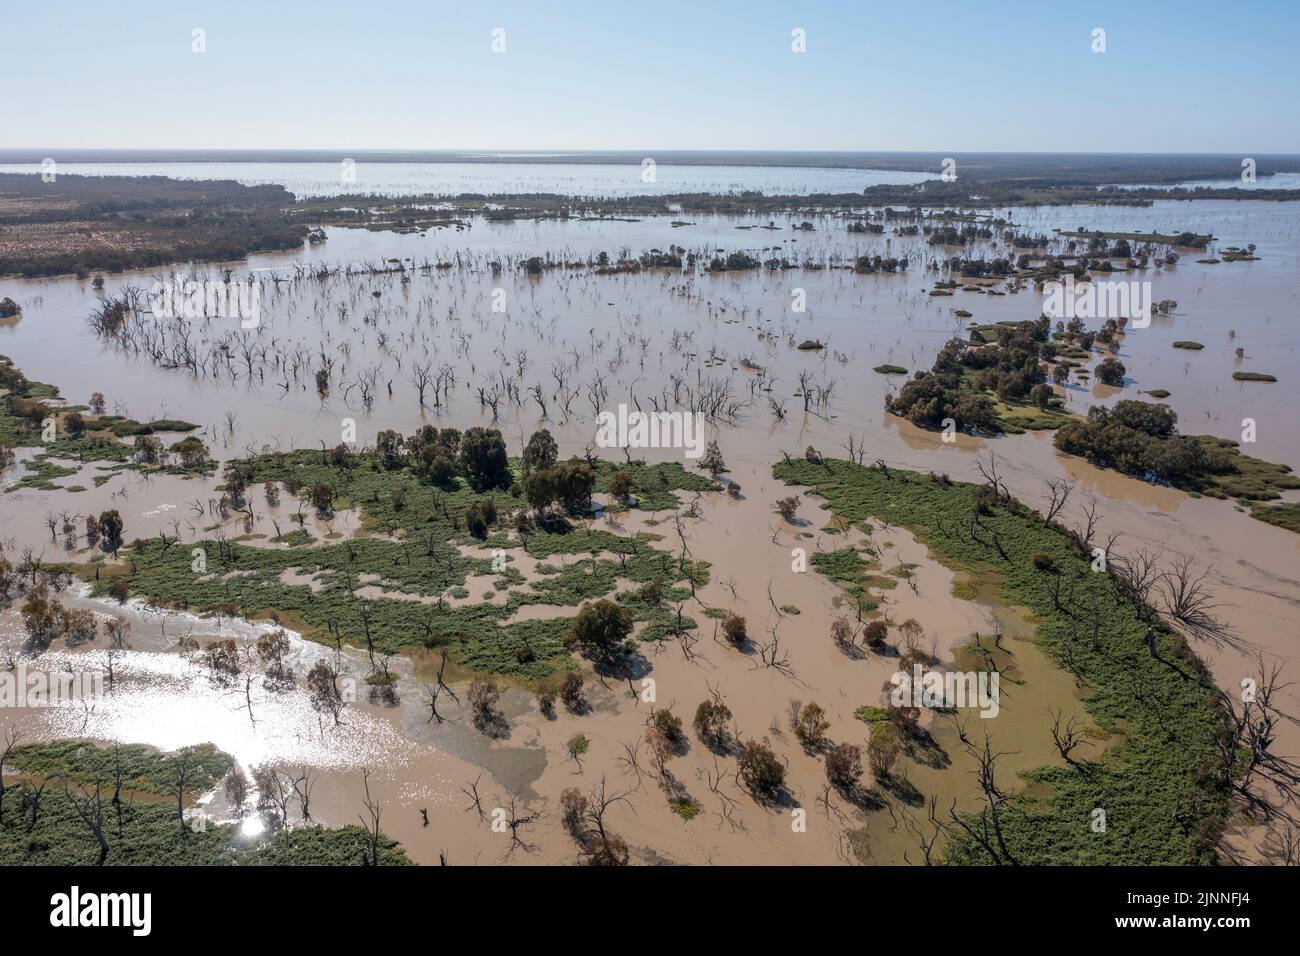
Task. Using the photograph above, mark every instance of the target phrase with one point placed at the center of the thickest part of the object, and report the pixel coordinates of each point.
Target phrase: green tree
(574, 480)
(541, 452)
(1111, 371)
(600, 630)
(483, 456)
(619, 486)
(760, 769)
(540, 489)
(388, 445)
(110, 530)
(190, 451)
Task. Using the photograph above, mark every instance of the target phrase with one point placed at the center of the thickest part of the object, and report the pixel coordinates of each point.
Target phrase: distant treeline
(236, 243)
(129, 193)
(158, 220)
(142, 222)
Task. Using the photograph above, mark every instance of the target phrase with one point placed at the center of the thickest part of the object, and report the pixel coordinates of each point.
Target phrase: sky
(653, 74)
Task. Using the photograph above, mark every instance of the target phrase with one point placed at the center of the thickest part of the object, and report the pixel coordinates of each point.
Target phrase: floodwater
(571, 179)
(590, 342)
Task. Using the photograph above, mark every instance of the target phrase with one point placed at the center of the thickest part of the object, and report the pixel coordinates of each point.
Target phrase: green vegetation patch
(419, 562)
(998, 380)
(1165, 797)
(143, 769)
(1142, 439)
(150, 831)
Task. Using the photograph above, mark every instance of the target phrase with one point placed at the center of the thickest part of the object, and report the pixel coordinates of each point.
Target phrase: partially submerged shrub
(787, 508)
(760, 769)
(483, 696)
(883, 750)
(809, 724)
(874, 635)
(713, 723)
(844, 765)
(571, 692)
(734, 628)
(670, 725)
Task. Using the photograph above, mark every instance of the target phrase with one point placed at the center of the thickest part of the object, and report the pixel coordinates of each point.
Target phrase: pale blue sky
(944, 76)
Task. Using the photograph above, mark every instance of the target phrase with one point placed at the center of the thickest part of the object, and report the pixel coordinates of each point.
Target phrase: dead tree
(857, 449)
(476, 801)
(1066, 738)
(729, 805)
(432, 694)
(989, 472)
(371, 822)
(1249, 726)
(631, 759)
(274, 793)
(986, 828)
(421, 376)
(90, 809)
(584, 818)
(11, 741)
(1058, 493)
(303, 784)
(183, 770)
(1186, 600)
(516, 823)
(771, 654)
(1090, 519)
(927, 844)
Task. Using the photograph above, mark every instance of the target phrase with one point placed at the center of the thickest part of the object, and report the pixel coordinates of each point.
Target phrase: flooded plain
(376, 306)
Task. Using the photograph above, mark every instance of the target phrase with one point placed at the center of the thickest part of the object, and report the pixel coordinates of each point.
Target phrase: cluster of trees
(865, 265)
(46, 619)
(952, 236)
(166, 221)
(1141, 438)
(1013, 368)
(734, 260)
(32, 411)
(569, 483)
(443, 454)
(190, 452)
(548, 480)
(478, 455)
(172, 246)
(980, 267)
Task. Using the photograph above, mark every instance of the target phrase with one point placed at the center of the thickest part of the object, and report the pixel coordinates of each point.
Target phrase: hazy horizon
(11, 154)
